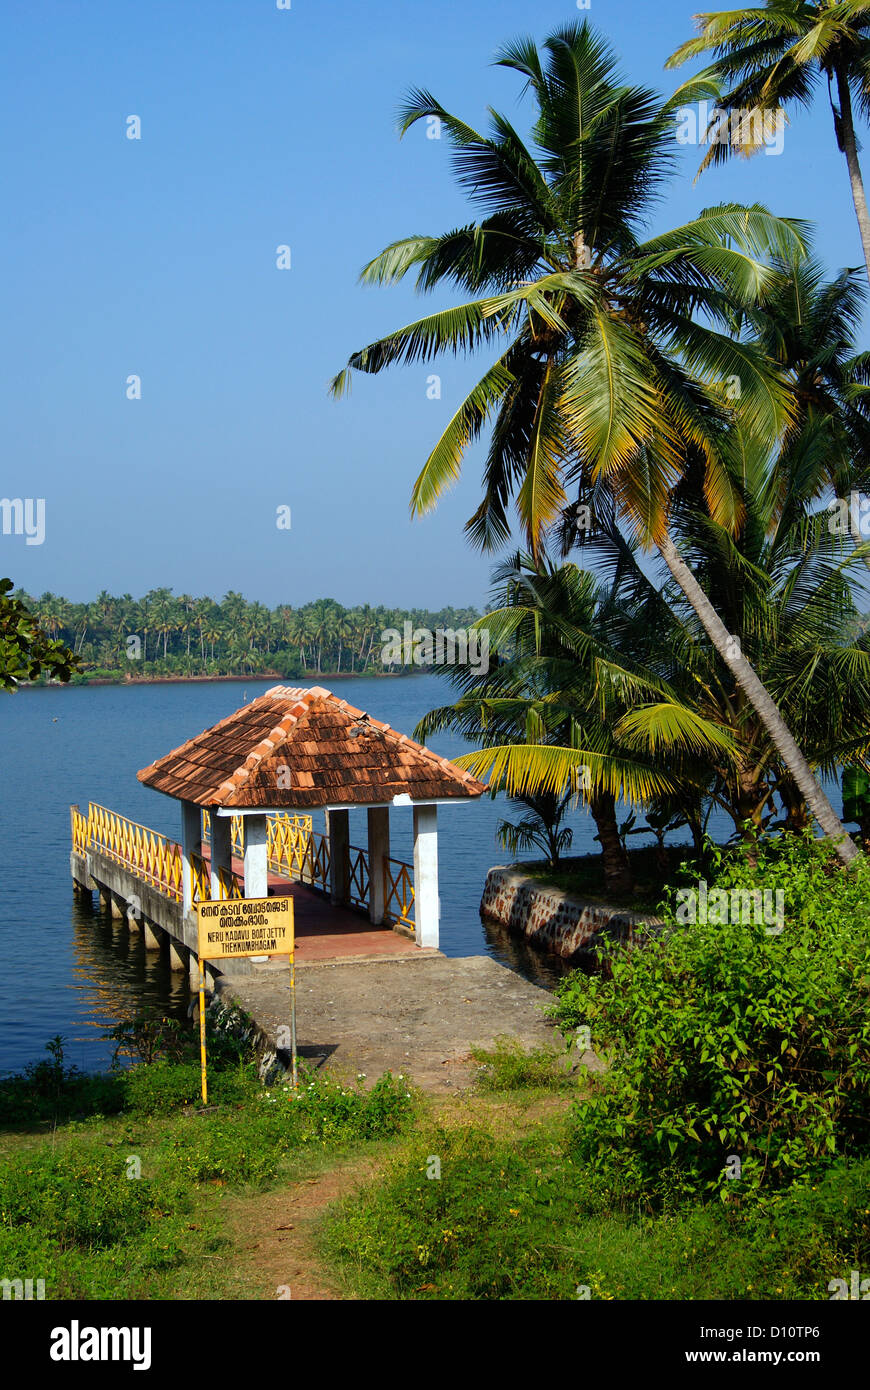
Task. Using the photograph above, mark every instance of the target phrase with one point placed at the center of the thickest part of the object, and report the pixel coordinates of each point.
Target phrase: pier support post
(152, 940)
(379, 852)
(193, 970)
(115, 905)
(105, 898)
(221, 850)
(338, 830)
(176, 958)
(84, 894)
(426, 904)
(191, 836)
(256, 850)
(134, 918)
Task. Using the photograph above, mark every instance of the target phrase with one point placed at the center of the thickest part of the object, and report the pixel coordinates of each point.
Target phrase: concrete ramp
(418, 1015)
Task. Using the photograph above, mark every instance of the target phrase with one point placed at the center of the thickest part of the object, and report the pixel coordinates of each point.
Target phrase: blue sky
(263, 127)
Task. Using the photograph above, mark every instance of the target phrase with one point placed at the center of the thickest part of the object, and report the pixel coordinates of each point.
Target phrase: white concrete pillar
(134, 918)
(221, 850)
(193, 970)
(149, 931)
(191, 836)
(176, 955)
(427, 909)
(379, 850)
(338, 830)
(256, 850)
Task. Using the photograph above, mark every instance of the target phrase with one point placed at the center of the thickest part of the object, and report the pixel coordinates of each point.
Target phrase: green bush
(53, 1090)
(462, 1218)
(83, 1199)
(231, 1151)
(328, 1110)
(155, 1088)
(522, 1220)
(731, 1047)
(247, 1144)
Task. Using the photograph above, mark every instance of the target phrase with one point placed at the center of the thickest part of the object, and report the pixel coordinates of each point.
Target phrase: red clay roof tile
(328, 751)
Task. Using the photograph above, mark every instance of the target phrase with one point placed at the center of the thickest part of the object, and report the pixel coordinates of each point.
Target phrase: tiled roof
(304, 748)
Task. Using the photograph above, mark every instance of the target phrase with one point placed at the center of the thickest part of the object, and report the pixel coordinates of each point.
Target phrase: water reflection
(542, 967)
(114, 977)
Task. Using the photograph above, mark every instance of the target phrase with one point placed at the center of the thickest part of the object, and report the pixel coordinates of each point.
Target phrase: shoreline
(307, 679)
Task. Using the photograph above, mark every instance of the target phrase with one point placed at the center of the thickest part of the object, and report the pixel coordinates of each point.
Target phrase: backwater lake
(66, 971)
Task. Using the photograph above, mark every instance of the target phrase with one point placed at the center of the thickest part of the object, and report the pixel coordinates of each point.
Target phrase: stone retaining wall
(554, 920)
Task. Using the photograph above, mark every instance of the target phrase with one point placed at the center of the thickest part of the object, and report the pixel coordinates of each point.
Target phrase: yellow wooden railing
(229, 883)
(294, 850)
(150, 856)
(399, 891)
(79, 830)
(287, 840)
(237, 833)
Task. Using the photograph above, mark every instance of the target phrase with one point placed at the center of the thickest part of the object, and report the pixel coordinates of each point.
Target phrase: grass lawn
(346, 1194)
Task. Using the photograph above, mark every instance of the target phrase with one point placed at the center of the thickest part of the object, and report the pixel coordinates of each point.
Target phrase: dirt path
(274, 1232)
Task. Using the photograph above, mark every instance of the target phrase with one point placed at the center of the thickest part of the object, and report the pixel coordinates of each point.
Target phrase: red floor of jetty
(325, 932)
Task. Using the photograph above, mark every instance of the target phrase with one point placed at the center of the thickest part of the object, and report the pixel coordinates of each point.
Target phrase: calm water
(67, 971)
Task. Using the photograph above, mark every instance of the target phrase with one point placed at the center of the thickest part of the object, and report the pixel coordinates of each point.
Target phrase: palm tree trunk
(849, 145)
(618, 877)
(761, 702)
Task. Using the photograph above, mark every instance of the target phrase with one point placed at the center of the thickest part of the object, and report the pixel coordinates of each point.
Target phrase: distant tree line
(164, 634)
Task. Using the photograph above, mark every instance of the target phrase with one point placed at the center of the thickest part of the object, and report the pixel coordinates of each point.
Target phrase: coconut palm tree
(609, 347)
(809, 326)
(784, 585)
(540, 828)
(775, 55)
(549, 712)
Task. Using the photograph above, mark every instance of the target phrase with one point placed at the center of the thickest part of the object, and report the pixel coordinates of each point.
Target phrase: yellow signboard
(245, 927)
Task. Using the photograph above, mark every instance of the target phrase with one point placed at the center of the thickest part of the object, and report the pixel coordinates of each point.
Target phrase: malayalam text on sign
(245, 927)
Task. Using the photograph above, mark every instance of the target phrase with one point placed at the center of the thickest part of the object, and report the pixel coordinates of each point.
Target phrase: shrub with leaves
(738, 1057)
(84, 1199)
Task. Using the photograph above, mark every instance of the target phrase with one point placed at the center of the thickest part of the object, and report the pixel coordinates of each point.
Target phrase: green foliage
(51, 1089)
(180, 636)
(856, 794)
(732, 1039)
(80, 1197)
(149, 1035)
(472, 1232)
(248, 1144)
(508, 1066)
(326, 1110)
(27, 652)
(166, 1078)
(109, 1216)
(524, 1220)
(156, 1088)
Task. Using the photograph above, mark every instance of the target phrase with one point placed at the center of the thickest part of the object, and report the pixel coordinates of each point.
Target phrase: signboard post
(246, 927)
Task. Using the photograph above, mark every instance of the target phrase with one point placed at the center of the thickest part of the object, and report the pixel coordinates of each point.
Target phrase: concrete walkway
(418, 1015)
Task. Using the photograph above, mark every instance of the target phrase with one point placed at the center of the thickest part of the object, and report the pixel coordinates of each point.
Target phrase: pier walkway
(374, 992)
(138, 874)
